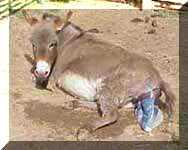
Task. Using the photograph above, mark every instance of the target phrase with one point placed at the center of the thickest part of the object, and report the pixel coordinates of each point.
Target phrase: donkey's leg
(108, 110)
(82, 88)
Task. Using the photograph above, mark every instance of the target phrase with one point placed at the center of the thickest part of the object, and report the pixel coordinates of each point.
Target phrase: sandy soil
(41, 115)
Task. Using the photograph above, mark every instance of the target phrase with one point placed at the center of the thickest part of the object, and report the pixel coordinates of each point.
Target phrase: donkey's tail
(170, 99)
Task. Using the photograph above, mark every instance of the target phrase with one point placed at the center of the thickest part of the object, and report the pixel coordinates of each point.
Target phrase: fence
(8, 7)
(168, 4)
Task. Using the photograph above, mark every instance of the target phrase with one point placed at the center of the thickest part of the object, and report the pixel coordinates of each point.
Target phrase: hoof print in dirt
(85, 134)
(137, 20)
(71, 105)
(146, 19)
(94, 30)
(151, 31)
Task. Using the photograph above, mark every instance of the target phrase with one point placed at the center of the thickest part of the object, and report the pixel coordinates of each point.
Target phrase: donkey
(92, 70)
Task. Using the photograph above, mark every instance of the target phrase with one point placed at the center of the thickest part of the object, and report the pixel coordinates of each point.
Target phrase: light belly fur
(81, 87)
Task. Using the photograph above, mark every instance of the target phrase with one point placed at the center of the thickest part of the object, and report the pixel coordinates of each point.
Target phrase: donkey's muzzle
(42, 70)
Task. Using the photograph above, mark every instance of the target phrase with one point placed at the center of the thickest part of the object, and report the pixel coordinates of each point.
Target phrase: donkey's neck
(66, 35)
(69, 33)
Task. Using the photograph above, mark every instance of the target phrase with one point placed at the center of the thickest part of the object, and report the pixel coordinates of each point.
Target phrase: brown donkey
(90, 69)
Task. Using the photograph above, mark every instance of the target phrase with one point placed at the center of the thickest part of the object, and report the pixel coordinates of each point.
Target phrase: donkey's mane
(73, 25)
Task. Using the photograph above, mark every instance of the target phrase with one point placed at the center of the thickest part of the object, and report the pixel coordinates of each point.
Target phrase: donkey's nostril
(36, 72)
(42, 69)
(46, 72)
(41, 74)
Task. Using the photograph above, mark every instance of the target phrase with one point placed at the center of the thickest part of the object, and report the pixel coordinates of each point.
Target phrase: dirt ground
(40, 115)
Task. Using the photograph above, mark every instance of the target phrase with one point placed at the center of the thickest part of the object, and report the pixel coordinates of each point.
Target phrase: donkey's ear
(59, 25)
(58, 22)
(49, 17)
(31, 20)
(68, 16)
(53, 18)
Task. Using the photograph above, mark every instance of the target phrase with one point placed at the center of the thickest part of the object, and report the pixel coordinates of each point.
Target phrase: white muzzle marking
(42, 69)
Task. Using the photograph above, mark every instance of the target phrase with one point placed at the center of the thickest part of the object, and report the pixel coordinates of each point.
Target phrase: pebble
(154, 23)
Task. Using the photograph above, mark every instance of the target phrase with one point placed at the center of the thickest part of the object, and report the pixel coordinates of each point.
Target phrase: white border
(4, 69)
(4, 82)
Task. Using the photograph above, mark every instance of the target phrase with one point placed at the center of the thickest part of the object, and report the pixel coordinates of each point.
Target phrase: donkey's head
(45, 41)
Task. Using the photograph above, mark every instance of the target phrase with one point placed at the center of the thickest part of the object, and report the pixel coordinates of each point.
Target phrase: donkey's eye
(52, 45)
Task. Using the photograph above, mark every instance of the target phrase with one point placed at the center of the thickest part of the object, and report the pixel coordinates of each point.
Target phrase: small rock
(167, 61)
(154, 23)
